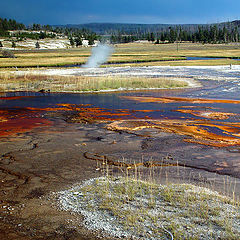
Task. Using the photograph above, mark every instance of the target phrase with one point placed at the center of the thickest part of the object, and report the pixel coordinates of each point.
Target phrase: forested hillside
(122, 33)
(163, 33)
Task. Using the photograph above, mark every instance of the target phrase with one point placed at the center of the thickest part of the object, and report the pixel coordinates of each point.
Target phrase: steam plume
(100, 54)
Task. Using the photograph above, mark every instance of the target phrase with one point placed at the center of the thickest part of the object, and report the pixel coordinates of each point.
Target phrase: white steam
(100, 54)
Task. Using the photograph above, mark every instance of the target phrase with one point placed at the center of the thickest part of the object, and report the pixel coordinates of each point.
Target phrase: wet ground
(51, 141)
(51, 159)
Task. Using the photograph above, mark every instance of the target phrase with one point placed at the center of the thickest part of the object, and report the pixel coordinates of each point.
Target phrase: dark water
(114, 101)
(208, 58)
(228, 87)
(187, 58)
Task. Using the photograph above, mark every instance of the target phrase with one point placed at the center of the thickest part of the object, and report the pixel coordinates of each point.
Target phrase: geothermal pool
(212, 108)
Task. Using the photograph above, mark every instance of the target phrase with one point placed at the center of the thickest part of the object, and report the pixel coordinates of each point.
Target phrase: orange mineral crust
(23, 120)
(16, 126)
(207, 132)
(84, 111)
(3, 118)
(207, 114)
(14, 98)
(197, 131)
(19, 121)
(179, 99)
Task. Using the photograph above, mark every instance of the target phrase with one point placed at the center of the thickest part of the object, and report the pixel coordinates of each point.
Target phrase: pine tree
(215, 34)
(13, 44)
(236, 34)
(91, 40)
(200, 35)
(173, 35)
(71, 41)
(113, 39)
(225, 33)
(37, 45)
(162, 38)
(149, 37)
(152, 37)
(78, 41)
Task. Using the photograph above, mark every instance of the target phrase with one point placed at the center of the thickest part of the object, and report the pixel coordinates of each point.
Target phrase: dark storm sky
(120, 11)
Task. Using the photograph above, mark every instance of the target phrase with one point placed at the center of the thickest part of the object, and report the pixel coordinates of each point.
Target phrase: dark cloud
(134, 11)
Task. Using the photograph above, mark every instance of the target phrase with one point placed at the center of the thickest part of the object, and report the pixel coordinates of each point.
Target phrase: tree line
(8, 25)
(38, 31)
(209, 34)
(203, 34)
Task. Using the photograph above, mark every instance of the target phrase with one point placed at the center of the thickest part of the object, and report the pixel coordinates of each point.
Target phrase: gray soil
(50, 159)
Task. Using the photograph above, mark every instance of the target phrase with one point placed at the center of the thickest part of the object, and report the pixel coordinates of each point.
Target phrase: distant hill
(113, 28)
(235, 23)
(129, 28)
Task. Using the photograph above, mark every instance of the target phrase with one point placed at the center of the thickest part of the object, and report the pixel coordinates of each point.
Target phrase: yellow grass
(147, 53)
(180, 63)
(33, 82)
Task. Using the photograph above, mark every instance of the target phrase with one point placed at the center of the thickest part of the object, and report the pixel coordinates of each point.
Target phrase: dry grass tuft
(33, 82)
(124, 207)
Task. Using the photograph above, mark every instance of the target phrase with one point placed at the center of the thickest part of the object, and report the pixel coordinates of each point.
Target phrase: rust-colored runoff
(14, 122)
(196, 130)
(179, 99)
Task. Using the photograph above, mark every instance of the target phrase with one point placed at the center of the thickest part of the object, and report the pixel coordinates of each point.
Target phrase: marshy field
(145, 146)
(141, 53)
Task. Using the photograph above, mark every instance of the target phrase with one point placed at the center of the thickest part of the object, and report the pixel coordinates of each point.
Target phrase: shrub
(8, 54)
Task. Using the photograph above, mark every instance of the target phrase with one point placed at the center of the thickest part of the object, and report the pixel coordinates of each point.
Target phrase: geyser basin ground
(194, 72)
(68, 138)
(114, 78)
